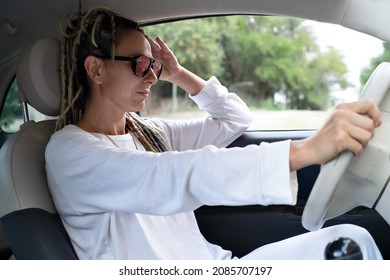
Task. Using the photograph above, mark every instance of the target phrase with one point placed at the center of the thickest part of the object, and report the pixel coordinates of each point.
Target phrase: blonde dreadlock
(93, 33)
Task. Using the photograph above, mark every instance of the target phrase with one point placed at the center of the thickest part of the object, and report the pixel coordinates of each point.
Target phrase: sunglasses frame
(133, 60)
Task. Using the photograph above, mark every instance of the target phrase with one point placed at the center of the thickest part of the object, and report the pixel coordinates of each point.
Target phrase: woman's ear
(93, 68)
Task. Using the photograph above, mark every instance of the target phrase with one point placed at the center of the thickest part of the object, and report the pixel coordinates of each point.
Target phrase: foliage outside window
(271, 62)
(12, 112)
(375, 61)
(12, 115)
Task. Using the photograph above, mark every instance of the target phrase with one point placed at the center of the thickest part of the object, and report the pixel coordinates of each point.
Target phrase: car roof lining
(32, 22)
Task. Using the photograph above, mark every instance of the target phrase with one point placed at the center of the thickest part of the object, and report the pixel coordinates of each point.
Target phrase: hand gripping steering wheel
(349, 181)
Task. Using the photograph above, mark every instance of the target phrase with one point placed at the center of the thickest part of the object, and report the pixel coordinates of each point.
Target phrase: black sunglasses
(140, 64)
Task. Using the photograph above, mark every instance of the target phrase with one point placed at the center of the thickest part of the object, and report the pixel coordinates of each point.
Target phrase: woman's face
(121, 88)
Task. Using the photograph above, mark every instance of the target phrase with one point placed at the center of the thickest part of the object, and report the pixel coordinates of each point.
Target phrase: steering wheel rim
(333, 194)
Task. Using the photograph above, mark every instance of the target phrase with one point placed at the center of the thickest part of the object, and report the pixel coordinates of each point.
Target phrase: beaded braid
(146, 133)
(93, 33)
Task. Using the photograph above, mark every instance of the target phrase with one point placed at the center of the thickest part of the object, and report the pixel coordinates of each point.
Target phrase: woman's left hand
(350, 127)
(162, 52)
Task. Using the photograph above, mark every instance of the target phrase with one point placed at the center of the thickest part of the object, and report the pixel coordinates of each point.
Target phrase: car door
(7, 95)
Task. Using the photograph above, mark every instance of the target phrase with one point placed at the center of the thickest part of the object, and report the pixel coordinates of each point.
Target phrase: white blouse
(125, 203)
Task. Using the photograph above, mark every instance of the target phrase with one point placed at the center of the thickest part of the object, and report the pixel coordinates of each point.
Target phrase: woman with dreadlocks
(126, 187)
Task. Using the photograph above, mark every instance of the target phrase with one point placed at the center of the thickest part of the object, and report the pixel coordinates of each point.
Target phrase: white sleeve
(227, 118)
(87, 175)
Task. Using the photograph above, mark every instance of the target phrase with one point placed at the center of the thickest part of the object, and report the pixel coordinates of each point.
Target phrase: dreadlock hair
(93, 33)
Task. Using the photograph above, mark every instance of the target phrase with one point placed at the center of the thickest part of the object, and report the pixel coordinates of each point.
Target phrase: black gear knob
(343, 249)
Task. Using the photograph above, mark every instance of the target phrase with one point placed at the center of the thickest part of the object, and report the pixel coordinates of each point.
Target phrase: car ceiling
(24, 20)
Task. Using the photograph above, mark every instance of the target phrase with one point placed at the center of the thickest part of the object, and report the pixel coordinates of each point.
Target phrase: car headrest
(38, 76)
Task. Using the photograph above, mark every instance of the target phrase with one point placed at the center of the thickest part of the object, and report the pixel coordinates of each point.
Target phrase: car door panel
(5, 251)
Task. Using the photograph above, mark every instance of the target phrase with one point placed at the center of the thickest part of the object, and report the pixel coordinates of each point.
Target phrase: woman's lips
(143, 93)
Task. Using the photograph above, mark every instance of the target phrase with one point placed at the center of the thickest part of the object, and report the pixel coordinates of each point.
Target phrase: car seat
(31, 224)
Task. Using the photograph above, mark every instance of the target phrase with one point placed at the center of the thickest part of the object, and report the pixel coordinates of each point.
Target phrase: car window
(290, 72)
(12, 112)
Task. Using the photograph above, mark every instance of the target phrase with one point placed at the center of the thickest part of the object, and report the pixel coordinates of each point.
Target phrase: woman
(126, 187)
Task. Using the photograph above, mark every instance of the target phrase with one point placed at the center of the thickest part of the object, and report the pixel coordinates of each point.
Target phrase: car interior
(32, 215)
(30, 226)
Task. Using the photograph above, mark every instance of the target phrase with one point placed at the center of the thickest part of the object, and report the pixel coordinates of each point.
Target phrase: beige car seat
(30, 221)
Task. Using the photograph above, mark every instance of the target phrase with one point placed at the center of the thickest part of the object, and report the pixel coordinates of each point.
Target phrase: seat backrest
(22, 176)
(23, 184)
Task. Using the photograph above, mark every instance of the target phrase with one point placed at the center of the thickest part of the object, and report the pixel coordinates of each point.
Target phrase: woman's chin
(139, 107)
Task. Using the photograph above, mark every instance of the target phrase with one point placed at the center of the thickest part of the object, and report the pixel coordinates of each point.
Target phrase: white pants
(312, 245)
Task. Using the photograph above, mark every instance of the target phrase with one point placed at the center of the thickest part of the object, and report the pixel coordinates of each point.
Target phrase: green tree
(257, 57)
(375, 61)
(12, 109)
(281, 55)
(196, 51)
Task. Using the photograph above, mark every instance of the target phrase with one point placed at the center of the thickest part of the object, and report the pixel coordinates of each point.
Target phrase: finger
(344, 116)
(363, 136)
(344, 141)
(153, 44)
(355, 147)
(365, 107)
(372, 111)
(164, 47)
(362, 121)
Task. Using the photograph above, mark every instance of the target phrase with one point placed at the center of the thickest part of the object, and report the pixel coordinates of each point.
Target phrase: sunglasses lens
(157, 68)
(144, 63)
(142, 66)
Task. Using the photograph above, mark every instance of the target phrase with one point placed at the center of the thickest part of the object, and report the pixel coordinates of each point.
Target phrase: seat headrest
(38, 76)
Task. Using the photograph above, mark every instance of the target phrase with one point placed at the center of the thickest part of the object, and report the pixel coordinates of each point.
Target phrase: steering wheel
(349, 181)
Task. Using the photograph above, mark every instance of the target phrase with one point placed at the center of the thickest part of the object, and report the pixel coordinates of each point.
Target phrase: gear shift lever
(343, 249)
